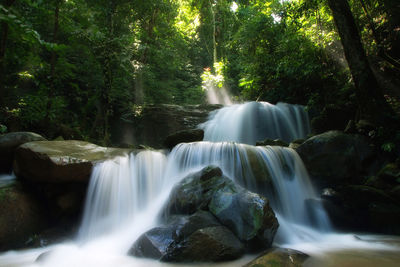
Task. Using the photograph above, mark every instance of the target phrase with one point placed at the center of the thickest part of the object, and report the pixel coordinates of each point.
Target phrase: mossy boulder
(248, 215)
(21, 217)
(199, 237)
(8, 144)
(60, 161)
(279, 257)
(334, 158)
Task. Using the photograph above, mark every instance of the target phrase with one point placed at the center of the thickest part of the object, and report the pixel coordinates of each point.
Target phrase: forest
(161, 132)
(70, 67)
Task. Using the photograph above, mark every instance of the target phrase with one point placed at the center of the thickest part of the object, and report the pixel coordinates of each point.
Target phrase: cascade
(255, 121)
(126, 194)
(276, 172)
(119, 189)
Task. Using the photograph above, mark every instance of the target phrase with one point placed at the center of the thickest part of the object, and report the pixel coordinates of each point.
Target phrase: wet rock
(151, 124)
(195, 191)
(270, 142)
(185, 136)
(248, 215)
(21, 217)
(60, 161)
(296, 143)
(198, 237)
(279, 257)
(334, 158)
(211, 244)
(9, 143)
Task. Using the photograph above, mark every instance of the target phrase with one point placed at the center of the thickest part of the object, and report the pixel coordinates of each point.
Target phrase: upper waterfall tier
(255, 121)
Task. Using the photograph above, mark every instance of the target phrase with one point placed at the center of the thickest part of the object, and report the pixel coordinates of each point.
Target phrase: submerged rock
(279, 257)
(60, 161)
(21, 217)
(334, 158)
(198, 237)
(248, 215)
(9, 143)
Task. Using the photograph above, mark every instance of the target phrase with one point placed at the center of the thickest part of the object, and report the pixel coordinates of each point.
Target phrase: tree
(371, 103)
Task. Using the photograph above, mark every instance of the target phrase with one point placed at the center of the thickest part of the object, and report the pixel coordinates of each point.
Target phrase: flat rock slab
(61, 161)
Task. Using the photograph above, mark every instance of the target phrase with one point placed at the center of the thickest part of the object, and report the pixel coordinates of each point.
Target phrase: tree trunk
(371, 103)
(215, 59)
(53, 60)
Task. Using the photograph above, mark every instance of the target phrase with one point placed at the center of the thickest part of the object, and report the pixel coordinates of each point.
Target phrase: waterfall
(276, 172)
(126, 194)
(119, 189)
(255, 121)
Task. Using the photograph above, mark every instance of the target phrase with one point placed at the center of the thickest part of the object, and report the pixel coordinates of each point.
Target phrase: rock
(185, 136)
(195, 191)
(150, 124)
(248, 215)
(21, 217)
(387, 179)
(296, 143)
(198, 237)
(60, 161)
(279, 257)
(9, 142)
(366, 209)
(334, 158)
(211, 244)
(269, 142)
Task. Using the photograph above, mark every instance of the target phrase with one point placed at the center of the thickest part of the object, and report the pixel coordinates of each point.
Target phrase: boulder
(21, 217)
(248, 215)
(9, 142)
(60, 161)
(211, 244)
(334, 158)
(198, 237)
(195, 191)
(281, 257)
(185, 136)
(151, 124)
(364, 208)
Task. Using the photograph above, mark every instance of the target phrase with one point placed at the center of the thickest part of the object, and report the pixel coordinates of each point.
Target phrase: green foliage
(107, 56)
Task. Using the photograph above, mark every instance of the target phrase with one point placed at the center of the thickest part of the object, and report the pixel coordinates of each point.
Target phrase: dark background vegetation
(70, 67)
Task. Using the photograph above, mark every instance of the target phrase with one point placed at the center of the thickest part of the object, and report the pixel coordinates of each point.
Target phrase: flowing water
(126, 194)
(255, 121)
